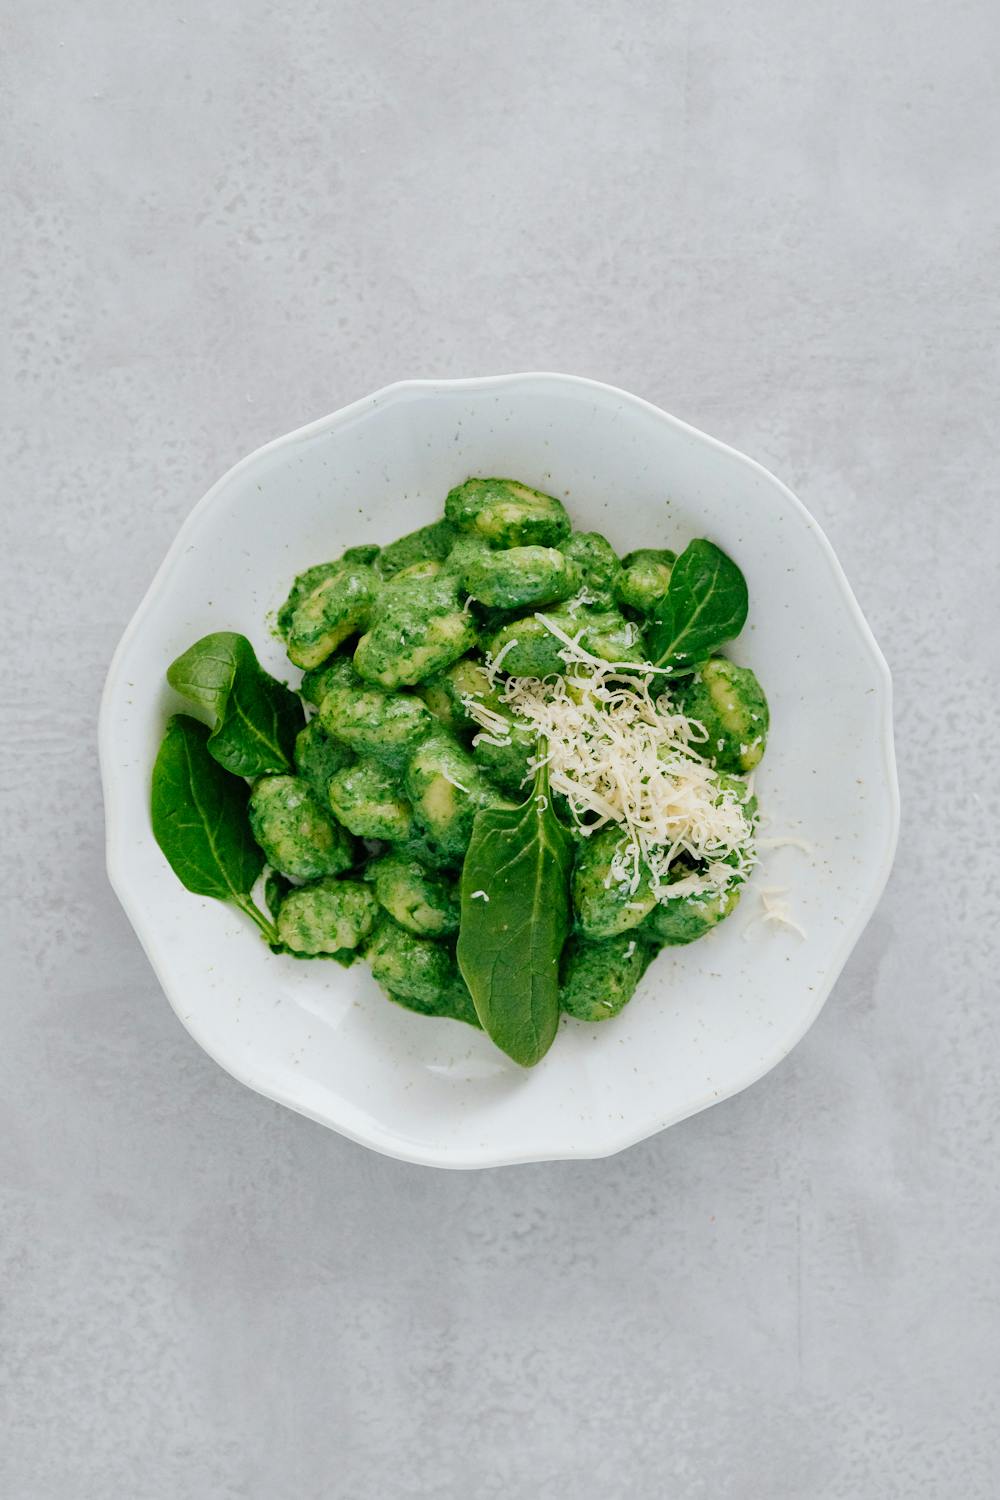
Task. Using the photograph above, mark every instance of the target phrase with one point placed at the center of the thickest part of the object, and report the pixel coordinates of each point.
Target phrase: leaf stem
(268, 929)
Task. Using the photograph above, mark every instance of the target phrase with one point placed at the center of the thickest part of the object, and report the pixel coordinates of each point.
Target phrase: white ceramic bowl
(708, 1019)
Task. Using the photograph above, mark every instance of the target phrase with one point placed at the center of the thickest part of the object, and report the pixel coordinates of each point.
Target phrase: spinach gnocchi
(514, 770)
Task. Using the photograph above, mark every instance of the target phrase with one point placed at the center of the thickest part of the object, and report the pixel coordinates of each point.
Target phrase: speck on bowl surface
(708, 1019)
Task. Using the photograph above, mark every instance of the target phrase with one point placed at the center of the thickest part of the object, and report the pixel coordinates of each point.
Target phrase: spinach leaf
(509, 945)
(704, 606)
(200, 821)
(256, 718)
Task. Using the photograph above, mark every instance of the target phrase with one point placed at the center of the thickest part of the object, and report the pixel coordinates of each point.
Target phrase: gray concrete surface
(777, 220)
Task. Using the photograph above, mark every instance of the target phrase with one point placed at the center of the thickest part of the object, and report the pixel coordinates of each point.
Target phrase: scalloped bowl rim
(385, 1141)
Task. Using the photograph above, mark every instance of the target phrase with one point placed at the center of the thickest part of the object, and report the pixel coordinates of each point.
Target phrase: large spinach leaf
(200, 821)
(256, 718)
(705, 605)
(514, 920)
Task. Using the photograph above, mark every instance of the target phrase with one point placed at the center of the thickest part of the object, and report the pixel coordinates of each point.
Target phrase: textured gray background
(778, 220)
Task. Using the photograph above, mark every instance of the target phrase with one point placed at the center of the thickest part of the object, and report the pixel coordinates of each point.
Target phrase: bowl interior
(708, 1019)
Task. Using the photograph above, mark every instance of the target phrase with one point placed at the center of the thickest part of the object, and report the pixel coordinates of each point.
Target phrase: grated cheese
(455, 783)
(775, 909)
(496, 728)
(623, 757)
(579, 657)
(479, 896)
(493, 662)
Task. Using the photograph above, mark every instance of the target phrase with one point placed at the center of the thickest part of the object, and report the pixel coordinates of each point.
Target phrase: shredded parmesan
(493, 664)
(496, 728)
(774, 909)
(579, 657)
(624, 757)
(455, 783)
(479, 896)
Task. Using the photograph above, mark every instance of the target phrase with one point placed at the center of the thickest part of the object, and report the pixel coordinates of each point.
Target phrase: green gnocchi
(440, 671)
